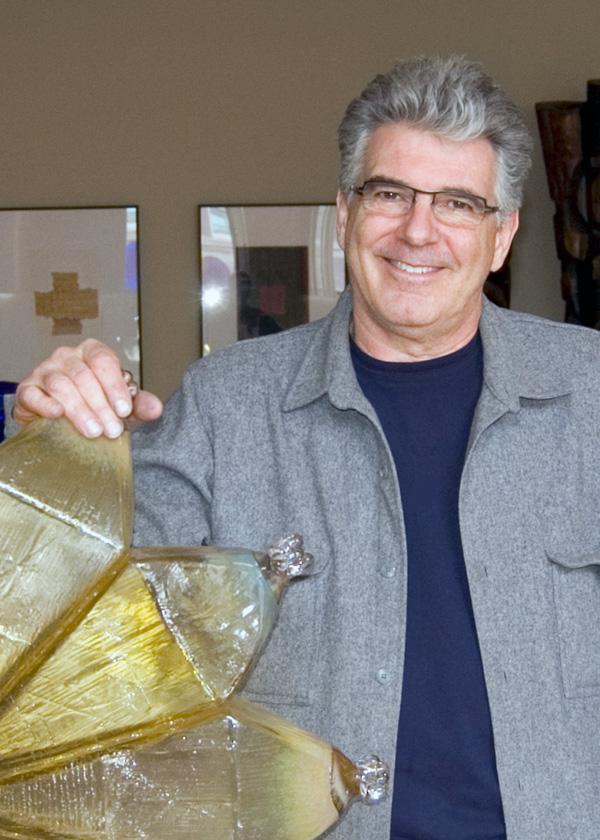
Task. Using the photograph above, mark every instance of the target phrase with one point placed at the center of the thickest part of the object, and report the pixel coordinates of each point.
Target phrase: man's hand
(86, 385)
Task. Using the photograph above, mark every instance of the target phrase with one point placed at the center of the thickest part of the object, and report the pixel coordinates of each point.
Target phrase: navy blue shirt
(445, 782)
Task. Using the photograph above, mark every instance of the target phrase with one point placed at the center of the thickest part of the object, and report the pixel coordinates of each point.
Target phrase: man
(435, 453)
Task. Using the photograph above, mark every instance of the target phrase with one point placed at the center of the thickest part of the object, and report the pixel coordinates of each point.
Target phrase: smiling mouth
(414, 269)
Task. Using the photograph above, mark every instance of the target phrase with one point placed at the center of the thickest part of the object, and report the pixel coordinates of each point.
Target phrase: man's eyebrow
(393, 182)
(383, 179)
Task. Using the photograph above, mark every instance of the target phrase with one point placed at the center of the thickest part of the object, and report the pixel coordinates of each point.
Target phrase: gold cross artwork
(119, 717)
(66, 304)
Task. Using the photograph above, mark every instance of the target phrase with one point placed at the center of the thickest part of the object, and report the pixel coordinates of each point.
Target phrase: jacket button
(383, 676)
(388, 570)
(384, 472)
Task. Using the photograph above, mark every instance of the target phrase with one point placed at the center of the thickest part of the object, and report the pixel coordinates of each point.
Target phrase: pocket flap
(572, 540)
(571, 558)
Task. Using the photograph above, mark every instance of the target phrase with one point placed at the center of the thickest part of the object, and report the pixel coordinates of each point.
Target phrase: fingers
(31, 402)
(146, 406)
(86, 385)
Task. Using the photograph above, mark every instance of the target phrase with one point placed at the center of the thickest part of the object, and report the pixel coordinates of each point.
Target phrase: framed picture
(265, 268)
(67, 274)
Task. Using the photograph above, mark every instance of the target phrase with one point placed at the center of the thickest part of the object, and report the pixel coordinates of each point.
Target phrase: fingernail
(114, 429)
(94, 428)
(122, 408)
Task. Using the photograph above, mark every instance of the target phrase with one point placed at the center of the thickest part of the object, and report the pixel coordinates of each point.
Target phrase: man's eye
(458, 203)
(388, 195)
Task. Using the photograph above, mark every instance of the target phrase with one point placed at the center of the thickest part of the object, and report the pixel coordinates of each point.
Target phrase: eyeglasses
(451, 207)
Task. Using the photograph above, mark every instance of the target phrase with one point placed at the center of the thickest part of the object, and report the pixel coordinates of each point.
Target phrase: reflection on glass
(266, 268)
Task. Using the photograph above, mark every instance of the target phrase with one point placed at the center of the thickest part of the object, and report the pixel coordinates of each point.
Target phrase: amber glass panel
(86, 482)
(66, 514)
(118, 671)
(235, 771)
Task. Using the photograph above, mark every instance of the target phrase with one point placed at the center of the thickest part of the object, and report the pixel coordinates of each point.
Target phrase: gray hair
(452, 97)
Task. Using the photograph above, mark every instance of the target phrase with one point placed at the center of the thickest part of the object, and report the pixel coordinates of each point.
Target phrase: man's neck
(409, 345)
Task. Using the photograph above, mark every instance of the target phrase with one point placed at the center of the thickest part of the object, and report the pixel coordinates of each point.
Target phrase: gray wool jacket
(273, 436)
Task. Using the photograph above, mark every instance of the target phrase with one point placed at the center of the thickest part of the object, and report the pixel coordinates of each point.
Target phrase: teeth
(413, 269)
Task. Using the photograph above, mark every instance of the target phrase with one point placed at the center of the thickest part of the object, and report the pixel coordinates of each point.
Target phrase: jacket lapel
(514, 369)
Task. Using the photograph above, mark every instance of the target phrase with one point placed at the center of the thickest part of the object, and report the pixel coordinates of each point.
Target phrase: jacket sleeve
(173, 467)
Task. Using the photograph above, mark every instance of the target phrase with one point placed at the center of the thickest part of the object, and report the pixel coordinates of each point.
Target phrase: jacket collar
(515, 361)
(327, 365)
(515, 364)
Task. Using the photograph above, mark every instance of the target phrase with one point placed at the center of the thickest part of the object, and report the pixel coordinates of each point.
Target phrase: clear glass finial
(288, 558)
(374, 779)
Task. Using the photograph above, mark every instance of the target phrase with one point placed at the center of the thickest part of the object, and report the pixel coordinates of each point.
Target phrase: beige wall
(173, 103)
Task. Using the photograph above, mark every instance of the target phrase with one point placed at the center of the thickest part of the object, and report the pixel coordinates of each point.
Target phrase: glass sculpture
(118, 666)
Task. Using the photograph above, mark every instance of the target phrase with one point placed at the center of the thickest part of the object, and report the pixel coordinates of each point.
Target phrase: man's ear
(341, 219)
(504, 237)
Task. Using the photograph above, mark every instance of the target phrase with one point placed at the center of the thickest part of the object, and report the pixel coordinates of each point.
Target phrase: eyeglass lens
(454, 208)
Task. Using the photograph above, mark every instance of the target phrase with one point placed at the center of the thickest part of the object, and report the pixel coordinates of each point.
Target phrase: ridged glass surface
(118, 671)
(117, 667)
(66, 509)
(218, 605)
(235, 771)
(86, 482)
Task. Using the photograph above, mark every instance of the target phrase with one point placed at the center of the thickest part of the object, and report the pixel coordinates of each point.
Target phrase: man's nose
(419, 225)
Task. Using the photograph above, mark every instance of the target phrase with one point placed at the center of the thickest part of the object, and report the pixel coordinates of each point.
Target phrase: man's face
(417, 283)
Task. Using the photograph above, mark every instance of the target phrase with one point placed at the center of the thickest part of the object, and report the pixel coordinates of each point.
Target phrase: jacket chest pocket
(285, 670)
(576, 583)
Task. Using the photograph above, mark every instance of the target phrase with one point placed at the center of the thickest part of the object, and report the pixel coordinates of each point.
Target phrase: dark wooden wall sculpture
(570, 133)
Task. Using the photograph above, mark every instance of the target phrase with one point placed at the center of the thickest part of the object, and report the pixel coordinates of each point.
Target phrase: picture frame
(265, 268)
(67, 274)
